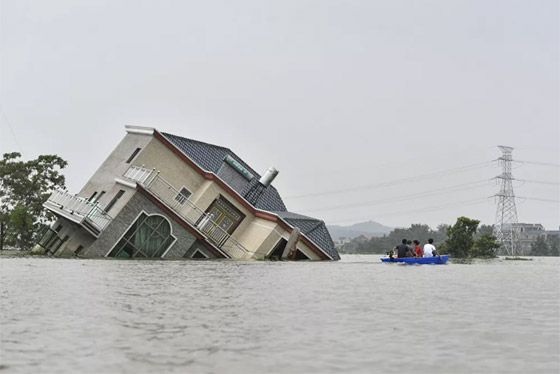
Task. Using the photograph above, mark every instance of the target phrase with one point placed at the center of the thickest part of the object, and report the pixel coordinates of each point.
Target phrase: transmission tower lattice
(506, 229)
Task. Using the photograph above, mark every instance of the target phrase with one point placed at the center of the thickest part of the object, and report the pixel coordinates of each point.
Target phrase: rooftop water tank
(268, 177)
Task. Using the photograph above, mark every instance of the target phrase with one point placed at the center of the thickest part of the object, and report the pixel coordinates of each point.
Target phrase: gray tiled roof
(314, 229)
(210, 158)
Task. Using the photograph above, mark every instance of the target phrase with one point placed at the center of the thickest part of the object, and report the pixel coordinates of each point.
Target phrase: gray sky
(335, 94)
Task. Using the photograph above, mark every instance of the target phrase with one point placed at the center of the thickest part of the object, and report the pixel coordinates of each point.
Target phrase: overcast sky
(345, 98)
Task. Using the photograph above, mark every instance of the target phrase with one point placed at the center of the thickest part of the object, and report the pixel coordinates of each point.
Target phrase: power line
(393, 182)
(539, 199)
(419, 210)
(540, 163)
(11, 129)
(455, 188)
(538, 182)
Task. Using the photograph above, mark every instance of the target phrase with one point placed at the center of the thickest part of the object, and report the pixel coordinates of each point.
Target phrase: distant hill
(369, 228)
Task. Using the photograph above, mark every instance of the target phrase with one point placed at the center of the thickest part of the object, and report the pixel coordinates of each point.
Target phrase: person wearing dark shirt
(417, 249)
(404, 250)
(410, 247)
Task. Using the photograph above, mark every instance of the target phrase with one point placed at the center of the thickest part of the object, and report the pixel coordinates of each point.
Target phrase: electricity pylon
(506, 229)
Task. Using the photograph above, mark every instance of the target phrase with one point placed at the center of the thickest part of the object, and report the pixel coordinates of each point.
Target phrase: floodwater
(357, 315)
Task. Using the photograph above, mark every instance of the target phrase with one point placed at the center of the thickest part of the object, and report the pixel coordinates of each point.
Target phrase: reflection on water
(356, 315)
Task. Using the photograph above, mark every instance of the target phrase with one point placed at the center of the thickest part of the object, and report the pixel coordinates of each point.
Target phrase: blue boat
(418, 260)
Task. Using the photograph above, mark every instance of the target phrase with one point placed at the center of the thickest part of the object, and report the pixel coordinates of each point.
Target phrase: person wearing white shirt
(430, 249)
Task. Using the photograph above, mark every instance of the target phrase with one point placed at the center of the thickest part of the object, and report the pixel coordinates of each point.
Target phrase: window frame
(137, 249)
(180, 197)
(133, 155)
(114, 201)
(228, 205)
(199, 251)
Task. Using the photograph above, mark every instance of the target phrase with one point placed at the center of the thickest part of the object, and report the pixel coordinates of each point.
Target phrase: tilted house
(159, 195)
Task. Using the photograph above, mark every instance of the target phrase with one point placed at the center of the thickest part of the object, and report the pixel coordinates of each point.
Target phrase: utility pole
(506, 229)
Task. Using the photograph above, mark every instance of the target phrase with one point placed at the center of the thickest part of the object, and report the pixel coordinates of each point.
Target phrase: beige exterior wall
(114, 167)
(272, 232)
(259, 235)
(172, 168)
(178, 173)
(210, 191)
(308, 252)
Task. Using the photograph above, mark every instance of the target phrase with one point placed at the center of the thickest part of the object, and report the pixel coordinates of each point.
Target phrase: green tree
(21, 227)
(24, 187)
(540, 247)
(485, 246)
(484, 229)
(383, 244)
(440, 234)
(460, 239)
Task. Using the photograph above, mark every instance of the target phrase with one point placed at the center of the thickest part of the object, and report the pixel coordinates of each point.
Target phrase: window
(78, 250)
(47, 239)
(92, 196)
(133, 155)
(100, 195)
(183, 195)
(198, 254)
(300, 256)
(60, 244)
(221, 220)
(58, 228)
(278, 250)
(148, 236)
(115, 199)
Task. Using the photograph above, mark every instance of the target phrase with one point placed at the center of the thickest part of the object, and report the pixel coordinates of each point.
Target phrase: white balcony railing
(186, 209)
(137, 173)
(82, 210)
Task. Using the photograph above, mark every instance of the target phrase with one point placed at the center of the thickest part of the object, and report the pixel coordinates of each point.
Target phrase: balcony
(152, 182)
(78, 209)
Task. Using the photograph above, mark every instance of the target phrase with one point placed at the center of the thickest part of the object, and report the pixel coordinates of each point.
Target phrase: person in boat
(391, 253)
(417, 249)
(410, 247)
(430, 249)
(404, 250)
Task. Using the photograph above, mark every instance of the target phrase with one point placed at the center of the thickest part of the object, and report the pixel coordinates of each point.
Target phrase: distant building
(362, 238)
(343, 240)
(159, 195)
(553, 234)
(528, 234)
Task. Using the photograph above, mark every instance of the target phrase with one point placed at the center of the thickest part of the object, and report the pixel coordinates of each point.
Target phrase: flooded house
(160, 195)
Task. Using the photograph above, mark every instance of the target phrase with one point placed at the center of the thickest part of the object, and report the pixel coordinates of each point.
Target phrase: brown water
(353, 316)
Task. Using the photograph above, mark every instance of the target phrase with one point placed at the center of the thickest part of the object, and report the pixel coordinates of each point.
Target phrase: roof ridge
(226, 149)
(198, 141)
(317, 225)
(210, 157)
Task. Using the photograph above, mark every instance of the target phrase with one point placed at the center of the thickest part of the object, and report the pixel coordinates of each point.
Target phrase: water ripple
(356, 315)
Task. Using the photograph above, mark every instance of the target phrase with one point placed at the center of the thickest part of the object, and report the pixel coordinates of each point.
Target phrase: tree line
(24, 187)
(545, 246)
(462, 240)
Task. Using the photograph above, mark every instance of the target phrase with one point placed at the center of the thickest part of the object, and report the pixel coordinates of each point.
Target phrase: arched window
(149, 236)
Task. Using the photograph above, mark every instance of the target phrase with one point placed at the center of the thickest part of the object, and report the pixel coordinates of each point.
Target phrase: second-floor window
(115, 199)
(133, 155)
(183, 195)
